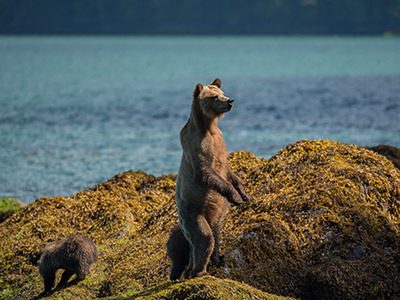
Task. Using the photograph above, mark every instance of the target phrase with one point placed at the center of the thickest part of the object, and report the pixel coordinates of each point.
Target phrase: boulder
(323, 224)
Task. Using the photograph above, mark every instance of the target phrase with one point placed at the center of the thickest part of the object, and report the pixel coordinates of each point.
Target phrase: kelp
(323, 224)
(117, 215)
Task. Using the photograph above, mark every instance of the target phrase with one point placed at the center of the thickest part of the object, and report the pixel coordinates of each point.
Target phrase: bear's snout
(230, 103)
(227, 104)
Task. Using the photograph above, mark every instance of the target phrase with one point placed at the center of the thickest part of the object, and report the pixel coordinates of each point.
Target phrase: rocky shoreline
(324, 223)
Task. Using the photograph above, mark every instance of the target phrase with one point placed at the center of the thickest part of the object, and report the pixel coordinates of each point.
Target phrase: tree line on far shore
(199, 17)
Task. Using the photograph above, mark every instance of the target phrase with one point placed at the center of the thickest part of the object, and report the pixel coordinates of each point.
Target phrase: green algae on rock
(323, 224)
(8, 206)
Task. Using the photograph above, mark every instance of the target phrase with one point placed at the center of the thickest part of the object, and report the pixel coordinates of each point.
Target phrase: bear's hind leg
(177, 270)
(178, 250)
(215, 257)
(49, 282)
(65, 277)
(189, 267)
(202, 245)
(80, 275)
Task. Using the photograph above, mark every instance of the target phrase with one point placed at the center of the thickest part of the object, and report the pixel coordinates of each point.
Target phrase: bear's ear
(197, 90)
(217, 82)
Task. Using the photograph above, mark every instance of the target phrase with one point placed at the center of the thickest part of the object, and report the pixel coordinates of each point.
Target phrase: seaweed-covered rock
(391, 153)
(323, 224)
(204, 288)
(122, 216)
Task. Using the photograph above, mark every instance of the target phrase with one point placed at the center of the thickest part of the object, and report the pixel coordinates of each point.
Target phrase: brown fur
(205, 182)
(75, 254)
(178, 250)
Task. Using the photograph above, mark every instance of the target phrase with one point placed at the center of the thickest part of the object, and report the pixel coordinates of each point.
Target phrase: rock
(205, 288)
(357, 252)
(391, 153)
(327, 220)
(323, 224)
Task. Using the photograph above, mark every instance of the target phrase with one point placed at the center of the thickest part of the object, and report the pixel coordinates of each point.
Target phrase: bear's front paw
(235, 198)
(246, 198)
(242, 193)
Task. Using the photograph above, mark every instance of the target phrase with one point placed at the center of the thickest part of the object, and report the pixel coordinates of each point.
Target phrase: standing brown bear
(205, 182)
(75, 254)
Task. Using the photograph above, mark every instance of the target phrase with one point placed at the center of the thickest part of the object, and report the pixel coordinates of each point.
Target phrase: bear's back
(79, 247)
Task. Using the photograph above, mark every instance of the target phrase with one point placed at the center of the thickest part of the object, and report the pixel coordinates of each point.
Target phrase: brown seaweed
(323, 224)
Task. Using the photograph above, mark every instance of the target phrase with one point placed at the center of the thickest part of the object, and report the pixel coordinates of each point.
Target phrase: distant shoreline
(386, 34)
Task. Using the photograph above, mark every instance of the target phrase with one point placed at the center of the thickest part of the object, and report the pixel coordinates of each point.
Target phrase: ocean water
(75, 111)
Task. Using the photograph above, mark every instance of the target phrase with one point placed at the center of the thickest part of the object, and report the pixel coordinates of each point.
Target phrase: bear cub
(75, 254)
(205, 184)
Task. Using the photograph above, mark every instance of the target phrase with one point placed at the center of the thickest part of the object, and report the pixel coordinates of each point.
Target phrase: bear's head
(211, 99)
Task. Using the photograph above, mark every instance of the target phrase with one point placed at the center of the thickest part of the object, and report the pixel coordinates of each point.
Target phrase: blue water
(74, 111)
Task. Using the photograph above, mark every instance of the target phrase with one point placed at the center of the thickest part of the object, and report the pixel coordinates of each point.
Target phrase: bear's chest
(214, 150)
